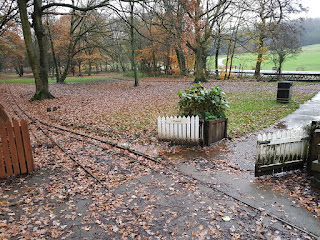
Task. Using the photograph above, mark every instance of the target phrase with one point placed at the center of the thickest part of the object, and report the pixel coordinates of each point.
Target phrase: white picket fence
(282, 146)
(179, 128)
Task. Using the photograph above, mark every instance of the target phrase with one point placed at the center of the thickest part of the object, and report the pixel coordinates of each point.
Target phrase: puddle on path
(280, 125)
(193, 153)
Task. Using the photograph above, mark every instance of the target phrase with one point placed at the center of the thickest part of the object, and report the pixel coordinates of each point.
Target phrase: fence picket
(5, 149)
(264, 137)
(2, 170)
(12, 147)
(188, 128)
(163, 127)
(192, 128)
(197, 127)
(184, 128)
(175, 128)
(171, 127)
(166, 129)
(159, 127)
(27, 145)
(179, 129)
(20, 150)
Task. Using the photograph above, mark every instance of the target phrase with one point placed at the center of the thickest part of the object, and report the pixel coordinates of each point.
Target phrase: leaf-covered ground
(118, 110)
(136, 199)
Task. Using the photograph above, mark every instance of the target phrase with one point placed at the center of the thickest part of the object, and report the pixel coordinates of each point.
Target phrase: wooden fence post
(313, 151)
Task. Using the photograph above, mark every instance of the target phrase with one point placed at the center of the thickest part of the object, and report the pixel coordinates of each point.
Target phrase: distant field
(13, 78)
(309, 59)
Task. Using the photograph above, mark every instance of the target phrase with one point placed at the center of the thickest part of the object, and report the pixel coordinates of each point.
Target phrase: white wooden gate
(179, 129)
(281, 151)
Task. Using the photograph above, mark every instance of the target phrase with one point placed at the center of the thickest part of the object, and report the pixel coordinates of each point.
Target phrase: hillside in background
(311, 32)
(308, 60)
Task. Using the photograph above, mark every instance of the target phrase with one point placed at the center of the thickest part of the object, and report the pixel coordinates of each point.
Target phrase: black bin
(284, 91)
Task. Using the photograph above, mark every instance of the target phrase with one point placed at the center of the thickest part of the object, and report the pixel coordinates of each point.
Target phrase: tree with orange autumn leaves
(78, 36)
(165, 28)
(202, 16)
(160, 50)
(188, 26)
(12, 51)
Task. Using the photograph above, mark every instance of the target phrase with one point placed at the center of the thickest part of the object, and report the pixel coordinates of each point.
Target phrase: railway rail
(92, 168)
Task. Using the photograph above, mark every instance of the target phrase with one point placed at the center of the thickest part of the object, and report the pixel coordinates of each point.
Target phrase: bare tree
(285, 43)
(268, 14)
(8, 12)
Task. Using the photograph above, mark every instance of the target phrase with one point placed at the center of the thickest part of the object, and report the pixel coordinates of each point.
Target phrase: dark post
(315, 179)
(314, 153)
(205, 130)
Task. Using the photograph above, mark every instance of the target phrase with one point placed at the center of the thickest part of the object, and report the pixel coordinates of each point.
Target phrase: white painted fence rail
(179, 128)
(282, 146)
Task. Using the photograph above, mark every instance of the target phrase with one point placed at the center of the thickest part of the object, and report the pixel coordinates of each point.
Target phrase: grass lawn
(256, 110)
(309, 59)
(30, 80)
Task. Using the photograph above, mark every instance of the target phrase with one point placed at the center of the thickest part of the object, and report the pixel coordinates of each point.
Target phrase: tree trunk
(65, 72)
(217, 56)
(56, 66)
(154, 63)
(181, 60)
(73, 70)
(281, 60)
(198, 49)
(227, 62)
(19, 69)
(199, 74)
(133, 55)
(231, 58)
(260, 55)
(37, 64)
(79, 68)
(90, 68)
(123, 67)
(167, 63)
(204, 61)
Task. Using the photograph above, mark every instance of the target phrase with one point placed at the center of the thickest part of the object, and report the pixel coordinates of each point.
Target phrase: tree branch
(82, 9)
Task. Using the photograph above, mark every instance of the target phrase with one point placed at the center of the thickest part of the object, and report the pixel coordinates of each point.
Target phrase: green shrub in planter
(196, 100)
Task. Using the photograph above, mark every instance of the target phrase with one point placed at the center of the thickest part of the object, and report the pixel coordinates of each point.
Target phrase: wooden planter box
(214, 130)
(191, 130)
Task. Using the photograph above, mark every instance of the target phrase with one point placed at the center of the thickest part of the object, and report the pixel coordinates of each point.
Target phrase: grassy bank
(308, 60)
(84, 79)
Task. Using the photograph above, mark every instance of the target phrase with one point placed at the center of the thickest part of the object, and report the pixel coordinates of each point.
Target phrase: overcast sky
(314, 8)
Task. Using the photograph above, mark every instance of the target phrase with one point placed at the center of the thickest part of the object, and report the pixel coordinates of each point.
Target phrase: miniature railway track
(128, 153)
